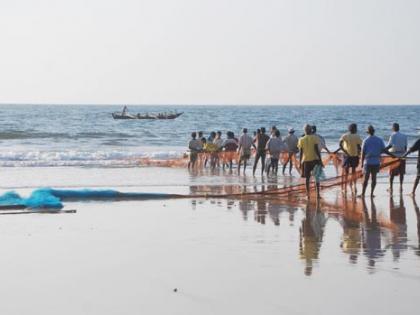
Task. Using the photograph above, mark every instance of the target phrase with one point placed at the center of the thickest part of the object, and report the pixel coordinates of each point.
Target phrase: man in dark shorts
(195, 147)
(309, 157)
(414, 148)
(244, 150)
(230, 145)
(261, 142)
(350, 144)
(397, 144)
(372, 149)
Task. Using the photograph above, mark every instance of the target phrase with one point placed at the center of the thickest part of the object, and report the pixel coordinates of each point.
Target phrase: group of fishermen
(305, 152)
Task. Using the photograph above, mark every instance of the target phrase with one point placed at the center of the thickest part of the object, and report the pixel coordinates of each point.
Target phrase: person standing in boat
(124, 111)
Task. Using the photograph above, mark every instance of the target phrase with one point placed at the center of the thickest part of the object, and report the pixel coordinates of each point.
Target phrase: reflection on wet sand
(311, 233)
(397, 214)
(350, 220)
(371, 232)
(366, 230)
(417, 211)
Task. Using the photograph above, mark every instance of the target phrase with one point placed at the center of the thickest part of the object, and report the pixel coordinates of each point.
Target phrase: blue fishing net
(48, 198)
(40, 198)
(104, 194)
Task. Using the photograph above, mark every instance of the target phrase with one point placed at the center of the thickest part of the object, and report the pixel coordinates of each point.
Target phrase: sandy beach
(207, 256)
(123, 128)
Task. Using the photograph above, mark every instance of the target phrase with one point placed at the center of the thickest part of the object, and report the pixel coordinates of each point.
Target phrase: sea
(87, 135)
(101, 235)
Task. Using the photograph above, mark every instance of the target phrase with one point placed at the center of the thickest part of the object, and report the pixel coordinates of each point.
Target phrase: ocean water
(47, 135)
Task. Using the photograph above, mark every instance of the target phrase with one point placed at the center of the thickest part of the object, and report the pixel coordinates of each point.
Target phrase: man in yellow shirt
(351, 145)
(309, 156)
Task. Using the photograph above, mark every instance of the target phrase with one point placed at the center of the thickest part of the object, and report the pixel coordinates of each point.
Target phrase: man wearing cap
(291, 142)
(372, 148)
(397, 144)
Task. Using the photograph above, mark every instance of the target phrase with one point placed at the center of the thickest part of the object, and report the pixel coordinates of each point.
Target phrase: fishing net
(52, 199)
(40, 198)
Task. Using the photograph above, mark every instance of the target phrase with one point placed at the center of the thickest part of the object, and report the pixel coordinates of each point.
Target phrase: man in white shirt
(244, 150)
(291, 142)
(218, 141)
(322, 144)
(275, 146)
(397, 145)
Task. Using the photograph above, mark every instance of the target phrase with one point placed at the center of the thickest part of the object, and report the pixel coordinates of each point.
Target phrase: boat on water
(159, 116)
(125, 115)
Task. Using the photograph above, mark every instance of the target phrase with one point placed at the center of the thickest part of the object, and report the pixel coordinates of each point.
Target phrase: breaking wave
(31, 134)
(112, 158)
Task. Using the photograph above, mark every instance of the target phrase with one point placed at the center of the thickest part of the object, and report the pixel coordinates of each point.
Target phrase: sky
(210, 52)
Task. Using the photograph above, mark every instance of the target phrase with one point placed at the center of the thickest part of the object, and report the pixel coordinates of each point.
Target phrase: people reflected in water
(417, 211)
(366, 232)
(246, 205)
(352, 217)
(311, 233)
(261, 210)
(274, 212)
(372, 246)
(397, 214)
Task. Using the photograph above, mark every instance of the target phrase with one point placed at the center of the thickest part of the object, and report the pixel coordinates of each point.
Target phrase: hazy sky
(210, 51)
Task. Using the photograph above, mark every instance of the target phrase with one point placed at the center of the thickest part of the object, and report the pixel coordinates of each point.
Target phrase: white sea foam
(103, 158)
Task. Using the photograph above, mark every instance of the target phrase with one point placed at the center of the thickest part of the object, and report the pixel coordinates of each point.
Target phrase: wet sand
(224, 256)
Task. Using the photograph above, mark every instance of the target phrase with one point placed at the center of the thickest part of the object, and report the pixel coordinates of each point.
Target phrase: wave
(30, 134)
(112, 158)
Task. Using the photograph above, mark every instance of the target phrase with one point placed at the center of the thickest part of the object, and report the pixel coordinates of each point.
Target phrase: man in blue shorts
(414, 148)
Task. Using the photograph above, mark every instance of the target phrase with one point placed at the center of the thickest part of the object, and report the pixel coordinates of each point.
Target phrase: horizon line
(179, 104)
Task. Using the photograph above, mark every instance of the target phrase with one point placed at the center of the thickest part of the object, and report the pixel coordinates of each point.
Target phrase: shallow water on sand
(224, 256)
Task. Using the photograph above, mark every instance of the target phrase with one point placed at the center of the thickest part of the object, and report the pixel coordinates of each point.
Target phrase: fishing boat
(159, 116)
(123, 116)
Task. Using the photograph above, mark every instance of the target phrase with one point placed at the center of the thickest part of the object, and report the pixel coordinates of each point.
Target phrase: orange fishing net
(299, 188)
